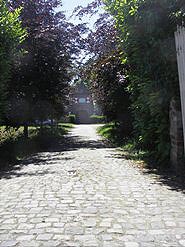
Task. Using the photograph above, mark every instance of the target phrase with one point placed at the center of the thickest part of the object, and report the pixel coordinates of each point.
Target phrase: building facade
(81, 104)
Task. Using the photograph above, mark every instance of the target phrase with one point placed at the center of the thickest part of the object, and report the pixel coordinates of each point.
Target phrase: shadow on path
(164, 176)
(168, 177)
(55, 153)
(50, 155)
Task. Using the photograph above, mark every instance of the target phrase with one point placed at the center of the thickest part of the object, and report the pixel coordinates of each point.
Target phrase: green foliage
(114, 132)
(14, 146)
(11, 35)
(47, 137)
(8, 138)
(71, 118)
(8, 135)
(108, 84)
(104, 70)
(40, 79)
(98, 119)
(146, 33)
(128, 148)
(108, 131)
(66, 126)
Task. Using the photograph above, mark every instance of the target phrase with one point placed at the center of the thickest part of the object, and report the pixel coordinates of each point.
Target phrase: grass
(128, 147)
(13, 145)
(98, 119)
(131, 151)
(110, 132)
(66, 126)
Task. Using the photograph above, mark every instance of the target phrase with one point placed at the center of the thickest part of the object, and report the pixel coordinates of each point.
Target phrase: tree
(104, 69)
(146, 31)
(40, 78)
(109, 87)
(11, 36)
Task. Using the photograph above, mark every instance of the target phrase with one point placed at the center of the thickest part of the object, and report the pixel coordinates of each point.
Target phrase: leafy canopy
(12, 35)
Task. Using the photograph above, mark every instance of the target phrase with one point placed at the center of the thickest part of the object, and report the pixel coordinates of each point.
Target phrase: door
(83, 117)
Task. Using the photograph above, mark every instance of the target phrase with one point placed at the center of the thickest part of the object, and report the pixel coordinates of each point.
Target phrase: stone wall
(176, 134)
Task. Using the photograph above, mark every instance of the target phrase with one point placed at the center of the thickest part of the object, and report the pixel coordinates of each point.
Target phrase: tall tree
(11, 36)
(41, 77)
(146, 29)
(104, 69)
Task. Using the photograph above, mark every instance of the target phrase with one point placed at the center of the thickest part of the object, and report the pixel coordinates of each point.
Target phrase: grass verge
(128, 147)
(13, 145)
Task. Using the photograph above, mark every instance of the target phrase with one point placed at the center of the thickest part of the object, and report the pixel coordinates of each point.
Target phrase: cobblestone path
(85, 196)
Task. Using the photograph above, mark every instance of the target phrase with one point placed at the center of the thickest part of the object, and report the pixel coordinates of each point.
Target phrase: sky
(70, 5)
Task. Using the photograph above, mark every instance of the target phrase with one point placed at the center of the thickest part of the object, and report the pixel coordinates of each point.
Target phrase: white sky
(70, 5)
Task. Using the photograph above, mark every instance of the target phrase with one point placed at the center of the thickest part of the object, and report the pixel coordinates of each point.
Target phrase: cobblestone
(87, 196)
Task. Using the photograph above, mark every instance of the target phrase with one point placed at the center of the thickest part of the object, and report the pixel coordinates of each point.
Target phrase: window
(82, 100)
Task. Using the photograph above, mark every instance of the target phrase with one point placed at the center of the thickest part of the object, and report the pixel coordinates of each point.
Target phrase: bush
(146, 30)
(14, 146)
(71, 118)
(128, 147)
(114, 132)
(98, 119)
(8, 138)
(42, 139)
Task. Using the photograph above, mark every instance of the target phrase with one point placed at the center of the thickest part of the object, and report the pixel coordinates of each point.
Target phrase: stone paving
(85, 197)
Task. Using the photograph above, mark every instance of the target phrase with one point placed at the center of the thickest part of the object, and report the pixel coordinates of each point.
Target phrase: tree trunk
(41, 127)
(52, 123)
(26, 131)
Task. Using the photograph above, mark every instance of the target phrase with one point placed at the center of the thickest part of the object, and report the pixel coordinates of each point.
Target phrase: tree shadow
(162, 175)
(72, 143)
(48, 155)
(168, 177)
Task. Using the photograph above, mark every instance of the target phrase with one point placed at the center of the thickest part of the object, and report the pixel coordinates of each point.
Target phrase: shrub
(98, 119)
(8, 138)
(14, 146)
(71, 118)
(114, 132)
(146, 31)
